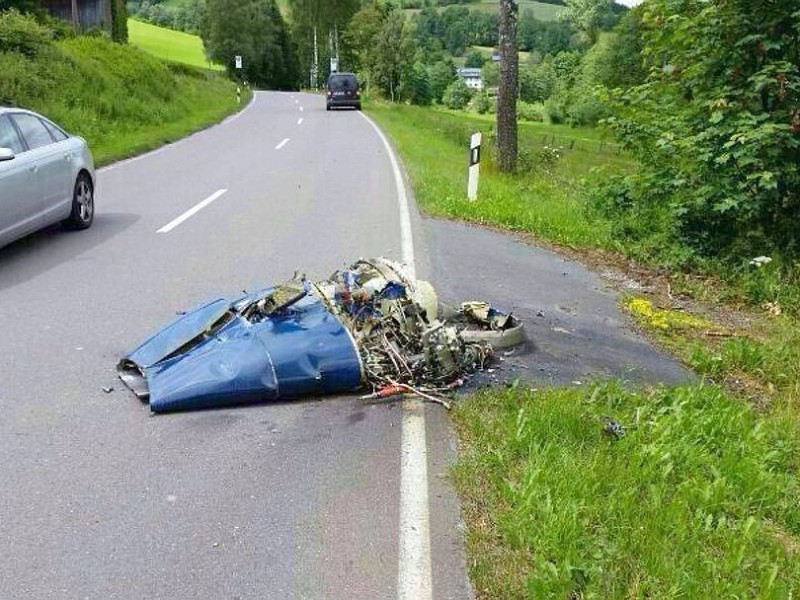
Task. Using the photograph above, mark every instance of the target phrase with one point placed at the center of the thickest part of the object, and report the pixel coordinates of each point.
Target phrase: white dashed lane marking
(195, 209)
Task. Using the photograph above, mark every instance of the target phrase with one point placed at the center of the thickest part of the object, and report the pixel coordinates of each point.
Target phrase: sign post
(474, 165)
(238, 64)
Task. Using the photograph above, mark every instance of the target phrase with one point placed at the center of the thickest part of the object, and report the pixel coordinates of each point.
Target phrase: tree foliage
(394, 51)
(329, 18)
(717, 126)
(588, 17)
(254, 30)
(119, 21)
(457, 95)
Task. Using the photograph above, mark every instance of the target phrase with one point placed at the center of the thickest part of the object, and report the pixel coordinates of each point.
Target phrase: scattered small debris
(613, 428)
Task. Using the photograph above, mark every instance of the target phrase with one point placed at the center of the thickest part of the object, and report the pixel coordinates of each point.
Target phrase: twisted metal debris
(403, 344)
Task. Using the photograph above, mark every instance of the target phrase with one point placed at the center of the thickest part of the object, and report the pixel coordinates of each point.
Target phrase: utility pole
(315, 66)
(507, 94)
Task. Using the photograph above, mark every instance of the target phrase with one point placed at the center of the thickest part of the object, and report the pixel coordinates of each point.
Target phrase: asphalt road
(98, 499)
(296, 500)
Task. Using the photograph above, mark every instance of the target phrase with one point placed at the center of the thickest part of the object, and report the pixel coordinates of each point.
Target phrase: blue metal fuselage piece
(215, 357)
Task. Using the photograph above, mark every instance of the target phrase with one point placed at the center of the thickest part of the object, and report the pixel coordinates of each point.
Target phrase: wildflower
(760, 261)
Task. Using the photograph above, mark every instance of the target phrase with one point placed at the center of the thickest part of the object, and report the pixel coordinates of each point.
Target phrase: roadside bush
(457, 95)
(555, 110)
(585, 109)
(480, 103)
(23, 34)
(530, 112)
(21, 84)
(717, 125)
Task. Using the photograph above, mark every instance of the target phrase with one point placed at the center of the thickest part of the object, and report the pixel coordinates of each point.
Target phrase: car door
(72, 150)
(20, 189)
(52, 164)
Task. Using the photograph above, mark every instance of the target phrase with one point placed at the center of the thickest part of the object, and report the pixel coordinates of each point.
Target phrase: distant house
(83, 14)
(472, 77)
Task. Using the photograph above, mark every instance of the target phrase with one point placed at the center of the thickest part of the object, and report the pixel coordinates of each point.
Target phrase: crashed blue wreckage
(367, 324)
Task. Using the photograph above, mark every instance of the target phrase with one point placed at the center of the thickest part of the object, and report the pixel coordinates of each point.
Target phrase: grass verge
(609, 492)
(433, 144)
(698, 498)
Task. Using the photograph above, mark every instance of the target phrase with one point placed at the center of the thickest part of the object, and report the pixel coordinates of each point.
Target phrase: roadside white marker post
(238, 64)
(474, 166)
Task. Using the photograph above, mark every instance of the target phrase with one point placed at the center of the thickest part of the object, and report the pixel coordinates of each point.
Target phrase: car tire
(82, 213)
(327, 107)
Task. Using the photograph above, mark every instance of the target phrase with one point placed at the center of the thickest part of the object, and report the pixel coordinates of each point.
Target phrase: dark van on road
(342, 90)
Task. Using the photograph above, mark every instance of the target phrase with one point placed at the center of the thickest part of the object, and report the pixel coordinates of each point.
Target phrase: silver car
(46, 176)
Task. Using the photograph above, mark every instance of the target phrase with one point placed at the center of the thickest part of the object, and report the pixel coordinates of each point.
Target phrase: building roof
(468, 72)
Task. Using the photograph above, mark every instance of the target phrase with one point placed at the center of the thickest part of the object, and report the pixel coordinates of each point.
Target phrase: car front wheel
(82, 213)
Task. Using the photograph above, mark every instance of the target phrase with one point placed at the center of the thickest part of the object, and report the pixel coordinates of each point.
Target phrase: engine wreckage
(368, 326)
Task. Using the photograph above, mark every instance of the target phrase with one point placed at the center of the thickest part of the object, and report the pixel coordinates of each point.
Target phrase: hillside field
(167, 44)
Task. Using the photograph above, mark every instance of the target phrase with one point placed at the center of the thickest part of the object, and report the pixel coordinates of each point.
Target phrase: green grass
(698, 499)
(541, 10)
(550, 203)
(167, 44)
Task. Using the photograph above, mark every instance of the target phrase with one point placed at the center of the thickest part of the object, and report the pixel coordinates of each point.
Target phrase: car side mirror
(6, 154)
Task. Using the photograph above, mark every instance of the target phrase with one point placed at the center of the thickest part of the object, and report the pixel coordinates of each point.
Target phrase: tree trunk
(507, 94)
(75, 18)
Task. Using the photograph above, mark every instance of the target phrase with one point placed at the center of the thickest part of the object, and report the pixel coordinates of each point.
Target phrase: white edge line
(301, 109)
(414, 579)
(232, 118)
(300, 121)
(406, 238)
(169, 146)
(196, 208)
(282, 144)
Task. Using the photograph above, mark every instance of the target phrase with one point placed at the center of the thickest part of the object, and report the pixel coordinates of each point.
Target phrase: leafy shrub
(457, 95)
(480, 103)
(23, 34)
(718, 125)
(530, 112)
(555, 110)
(21, 82)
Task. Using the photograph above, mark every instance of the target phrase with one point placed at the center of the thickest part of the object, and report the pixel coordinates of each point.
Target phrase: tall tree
(327, 17)
(507, 94)
(587, 16)
(254, 30)
(359, 40)
(394, 55)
